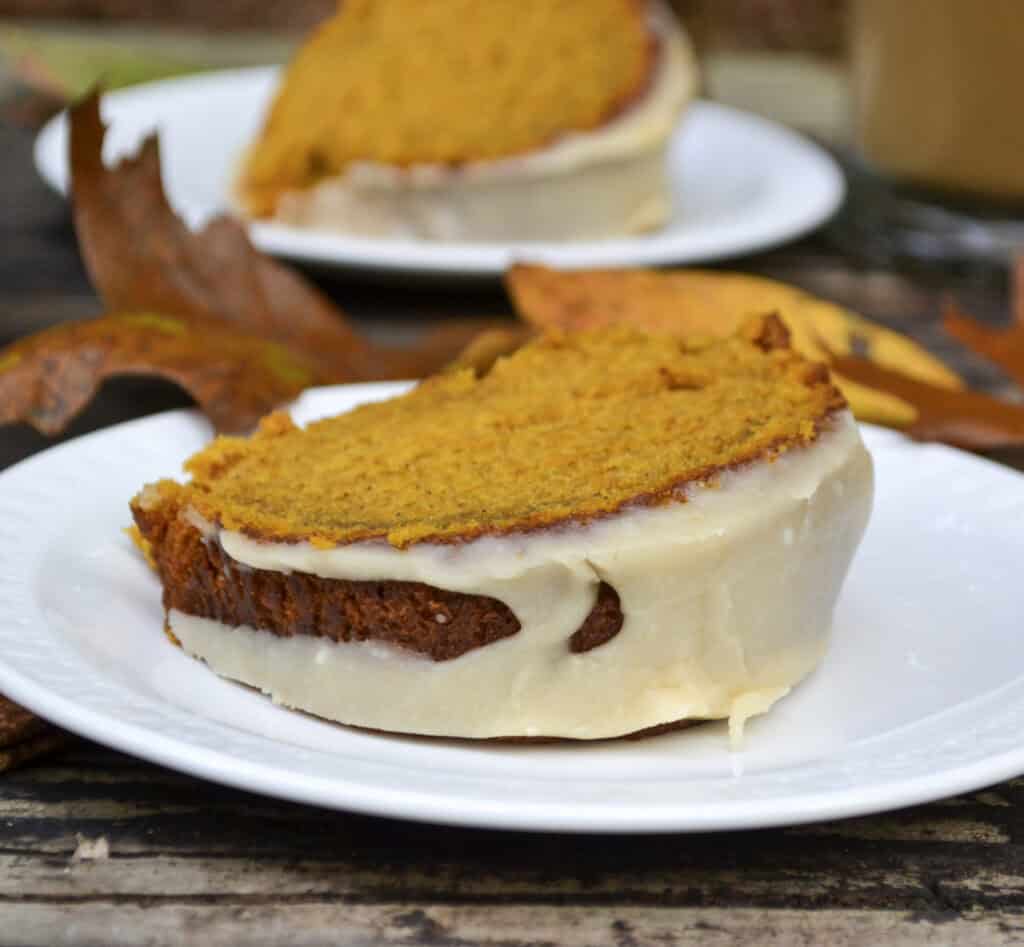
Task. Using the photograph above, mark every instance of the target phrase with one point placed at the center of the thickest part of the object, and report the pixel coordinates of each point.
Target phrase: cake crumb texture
(569, 428)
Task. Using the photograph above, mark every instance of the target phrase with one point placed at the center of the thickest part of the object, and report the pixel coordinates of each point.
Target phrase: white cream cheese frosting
(727, 602)
(587, 185)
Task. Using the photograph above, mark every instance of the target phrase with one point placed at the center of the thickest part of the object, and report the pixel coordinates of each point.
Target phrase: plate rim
(489, 260)
(226, 768)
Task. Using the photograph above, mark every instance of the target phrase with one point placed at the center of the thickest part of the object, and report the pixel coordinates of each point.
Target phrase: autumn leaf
(236, 378)
(240, 332)
(141, 257)
(24, 736)
(18, 724)
(1005, 347)
(959, 417)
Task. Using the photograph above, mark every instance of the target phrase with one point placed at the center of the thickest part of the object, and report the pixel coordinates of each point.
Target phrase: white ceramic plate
(920, 696)
(740, 183)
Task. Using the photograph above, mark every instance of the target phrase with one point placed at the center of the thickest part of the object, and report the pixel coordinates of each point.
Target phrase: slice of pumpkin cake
(607, 532)
(475, 120)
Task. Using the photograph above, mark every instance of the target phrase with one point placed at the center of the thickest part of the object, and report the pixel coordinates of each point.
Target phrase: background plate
(740, 183)
(920, 696)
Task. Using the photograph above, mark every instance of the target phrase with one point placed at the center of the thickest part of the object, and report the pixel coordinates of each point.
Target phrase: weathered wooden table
(194, 862)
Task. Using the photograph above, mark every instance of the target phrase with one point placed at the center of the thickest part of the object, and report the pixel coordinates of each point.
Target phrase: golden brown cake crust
(200, 579)
(566, 430)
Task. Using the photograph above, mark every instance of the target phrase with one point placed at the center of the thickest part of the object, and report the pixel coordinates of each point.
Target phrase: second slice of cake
(607, 532)
(475, 120)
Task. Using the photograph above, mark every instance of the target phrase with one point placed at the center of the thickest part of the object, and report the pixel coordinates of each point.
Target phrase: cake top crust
(405, 82)
(570, 428)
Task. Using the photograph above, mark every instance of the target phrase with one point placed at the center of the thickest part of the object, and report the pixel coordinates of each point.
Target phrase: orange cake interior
(570, 427)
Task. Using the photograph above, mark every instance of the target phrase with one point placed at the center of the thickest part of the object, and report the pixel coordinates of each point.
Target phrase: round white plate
(740, 183)
(921, 694)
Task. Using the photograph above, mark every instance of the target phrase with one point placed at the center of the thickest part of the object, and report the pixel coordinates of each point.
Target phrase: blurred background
(778, 24)
(782, 58)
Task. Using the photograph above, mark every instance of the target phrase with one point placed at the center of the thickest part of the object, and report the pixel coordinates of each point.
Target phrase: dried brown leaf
(42, 745)
(959, 417)
(1005, 347)
(18, 724)
(24, 736)
(46, 379)
(142, 257)
(206, 310)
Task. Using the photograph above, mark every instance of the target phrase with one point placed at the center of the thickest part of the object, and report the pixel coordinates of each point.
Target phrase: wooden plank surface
(191, 858)
(189, 861)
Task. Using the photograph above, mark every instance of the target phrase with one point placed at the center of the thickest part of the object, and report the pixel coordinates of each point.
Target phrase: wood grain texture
(222, 866)
(513, 926)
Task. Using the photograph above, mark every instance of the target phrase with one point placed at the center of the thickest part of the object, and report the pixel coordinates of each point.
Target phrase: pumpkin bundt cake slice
(440, 119)
(607, 532)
